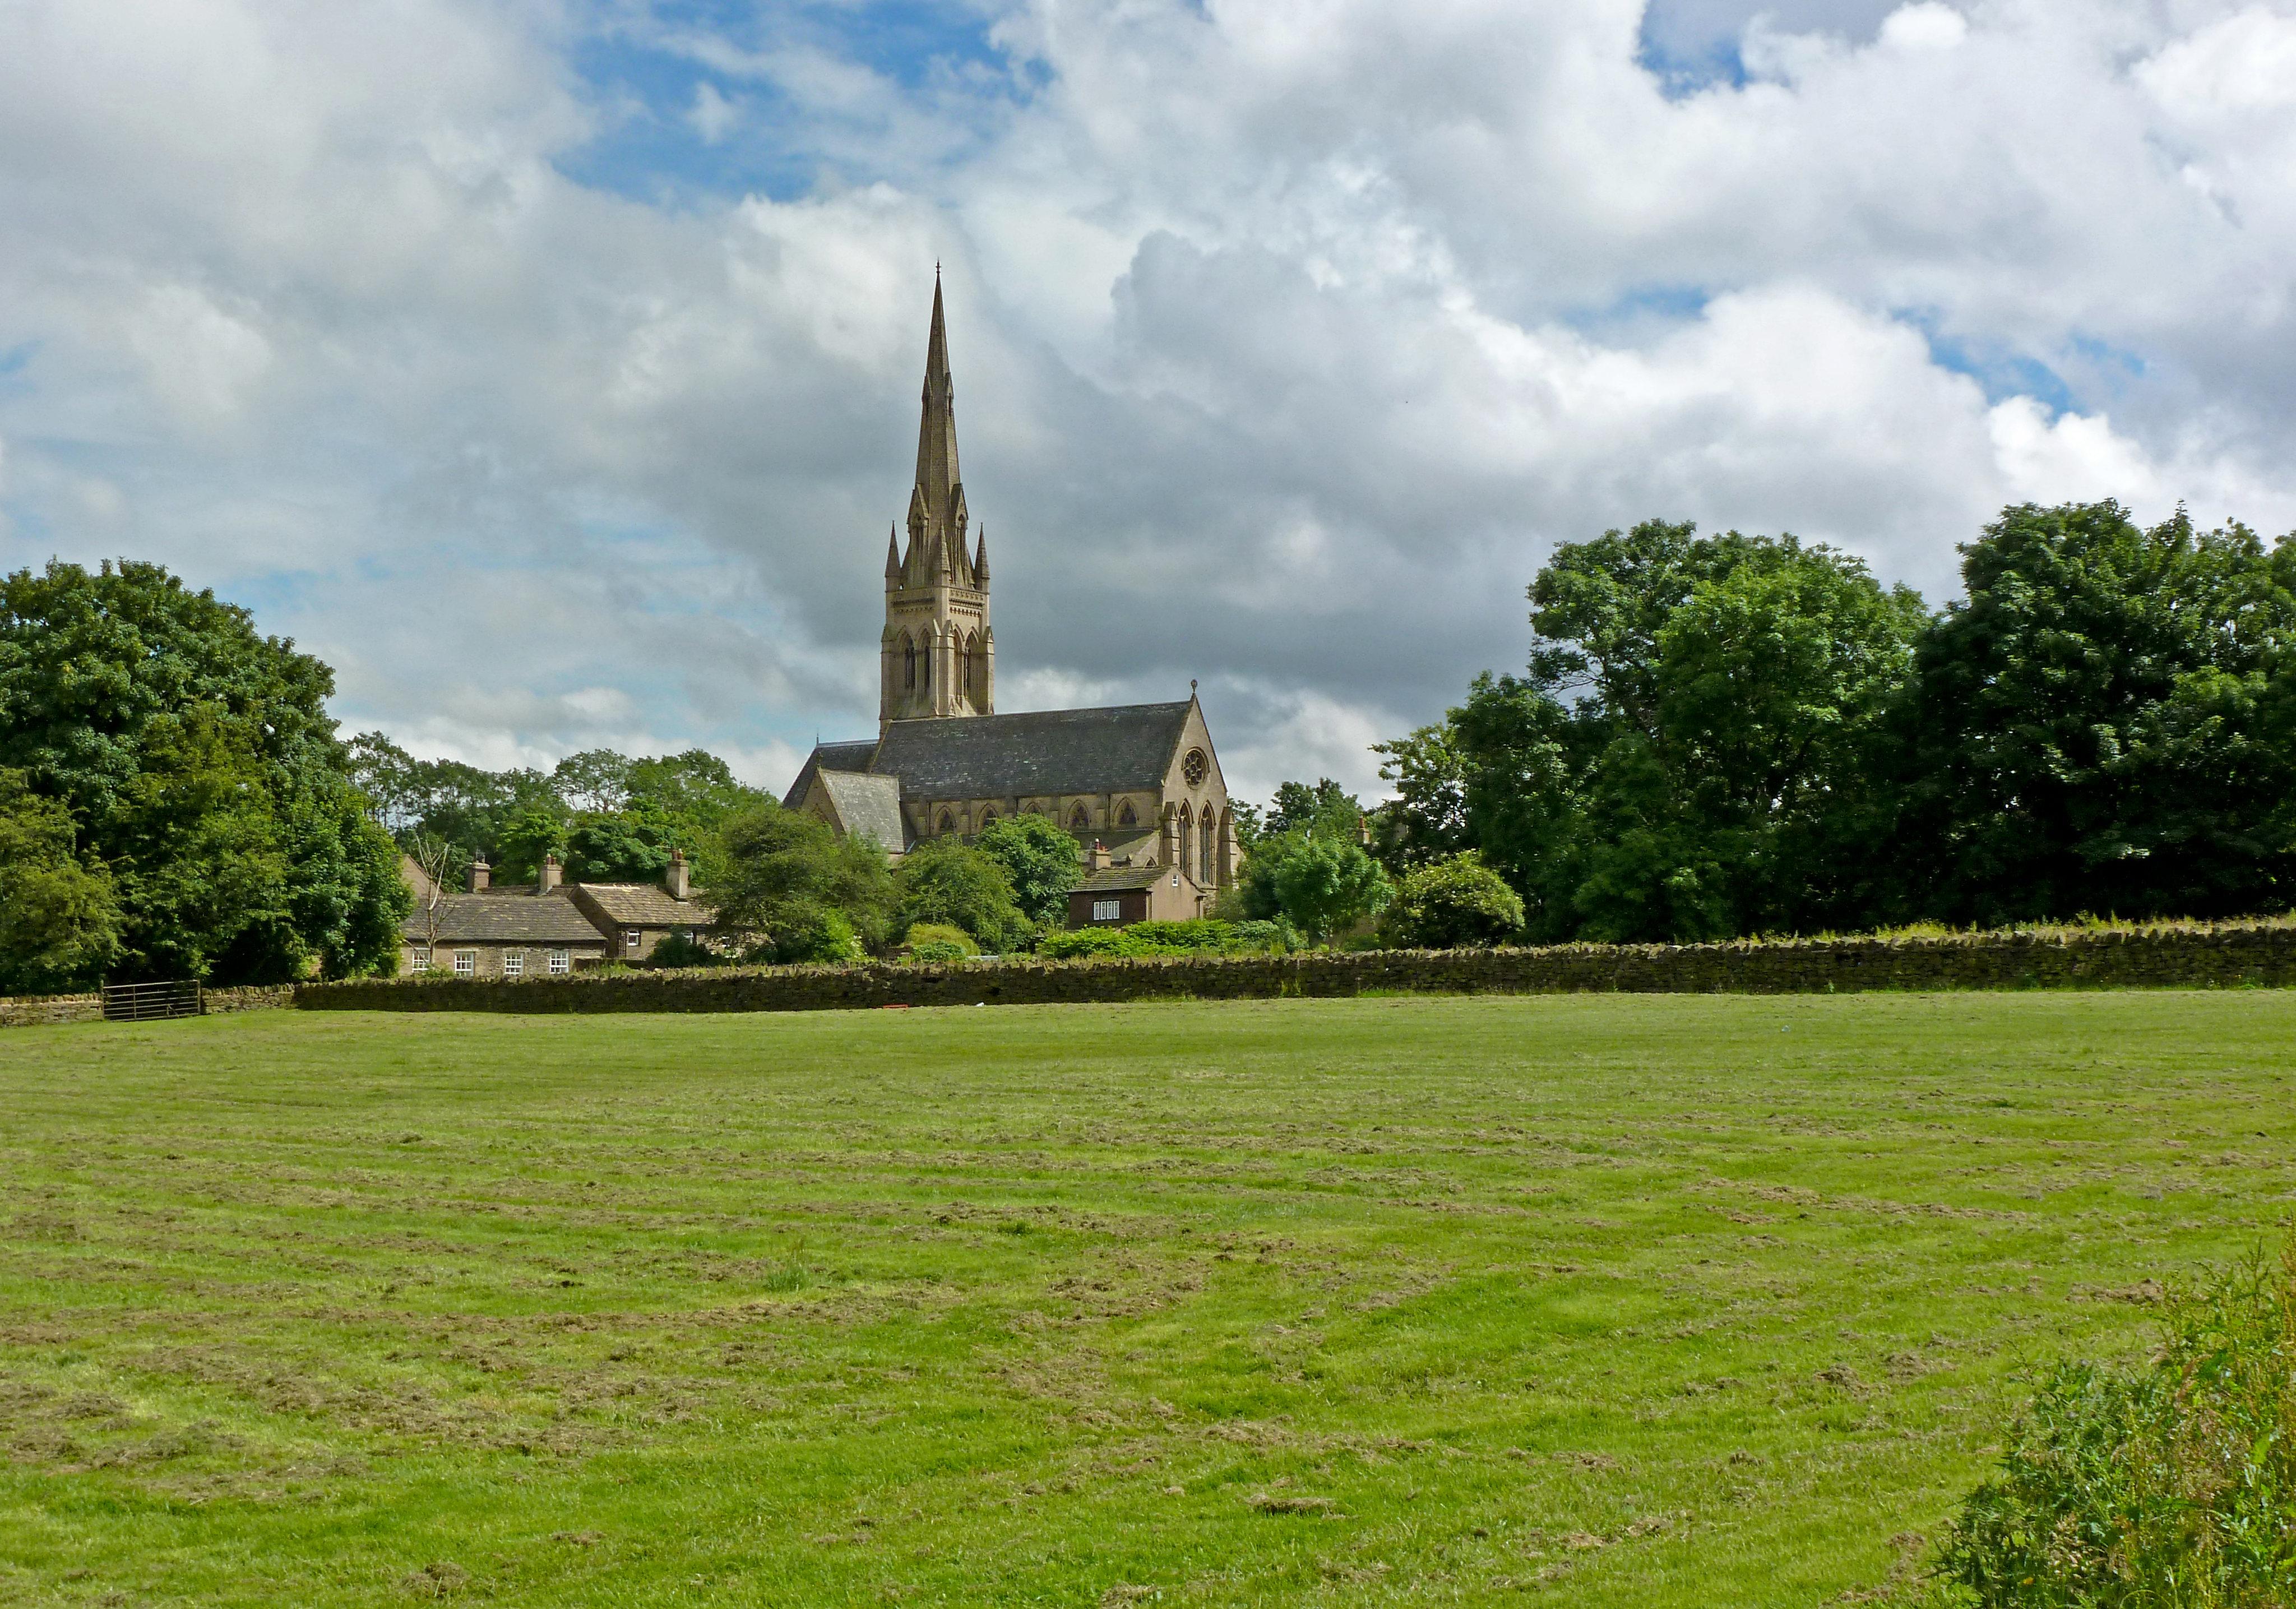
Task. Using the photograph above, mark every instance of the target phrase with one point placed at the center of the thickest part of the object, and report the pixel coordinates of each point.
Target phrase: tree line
(1727, 734)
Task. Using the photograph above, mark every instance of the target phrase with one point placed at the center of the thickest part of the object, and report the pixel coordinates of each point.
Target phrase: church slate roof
(828, 757)
(868, 806)
(1124, 747)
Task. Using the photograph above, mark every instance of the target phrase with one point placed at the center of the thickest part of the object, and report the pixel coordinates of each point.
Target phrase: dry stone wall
(43, 1011)
(2220, 956)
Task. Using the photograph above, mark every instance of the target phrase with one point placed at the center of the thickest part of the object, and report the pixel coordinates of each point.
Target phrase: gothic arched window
(1077, 819)
(947, 824)
(1128, 816)
(1210, 852)
(909, 659)
(989, 817)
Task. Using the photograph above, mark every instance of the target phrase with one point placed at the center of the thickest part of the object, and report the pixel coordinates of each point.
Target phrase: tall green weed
(2169, 1486)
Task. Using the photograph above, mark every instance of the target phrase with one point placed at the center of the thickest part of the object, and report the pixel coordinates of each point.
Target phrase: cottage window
(629, 938)
(561, 964)
(513, 964)
(1108, 910)
(420, 961)
(466, 963)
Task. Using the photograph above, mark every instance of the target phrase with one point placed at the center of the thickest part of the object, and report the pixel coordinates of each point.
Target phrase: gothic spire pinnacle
(937, 472)
(892, 553)
(980, 560)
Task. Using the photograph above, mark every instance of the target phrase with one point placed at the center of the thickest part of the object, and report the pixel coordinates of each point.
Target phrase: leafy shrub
(1458, 903)
(1203, 936)
(678, 950)
(812, 933)
(1042, 860)
(946, 883)
(2172, 1483)
(1082, 941)
(939, 943)
(1178, 938)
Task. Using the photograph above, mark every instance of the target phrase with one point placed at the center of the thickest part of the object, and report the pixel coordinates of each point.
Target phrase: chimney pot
(678, 880)
(481, 874)
(1098, 855)
(548, 879)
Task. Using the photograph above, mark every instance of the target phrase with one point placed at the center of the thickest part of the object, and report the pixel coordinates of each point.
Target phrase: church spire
(893, 554)
(939, 483)
(938, 656)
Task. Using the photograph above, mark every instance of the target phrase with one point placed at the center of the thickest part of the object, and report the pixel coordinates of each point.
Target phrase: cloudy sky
(551, 368)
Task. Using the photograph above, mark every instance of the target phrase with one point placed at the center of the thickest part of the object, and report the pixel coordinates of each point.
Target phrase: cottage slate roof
(642, 905)
(504, 919)
(1116, 878)
(1126, 746)
(869, 806)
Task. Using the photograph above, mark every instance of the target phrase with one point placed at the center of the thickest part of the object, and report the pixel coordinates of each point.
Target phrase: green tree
(471, 808)
(2103, 723)
(944, 881)
(1687, 755)
(786, 871)
(1326, 808)
(537, 830)
(1456, 903)
(1324, 884)
(59, 914)
(596, 782)
(1427, 820)
(198, 762)
(630, 845)
(1042, 860)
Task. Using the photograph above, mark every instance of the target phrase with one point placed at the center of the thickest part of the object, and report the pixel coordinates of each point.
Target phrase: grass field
(1635, 1300)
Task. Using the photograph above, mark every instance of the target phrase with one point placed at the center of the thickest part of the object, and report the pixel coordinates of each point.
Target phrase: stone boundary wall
(2220, 956)
(43, 1011)
(225, 1002)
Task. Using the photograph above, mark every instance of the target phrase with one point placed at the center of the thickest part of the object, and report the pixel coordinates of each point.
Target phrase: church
(1138, 786)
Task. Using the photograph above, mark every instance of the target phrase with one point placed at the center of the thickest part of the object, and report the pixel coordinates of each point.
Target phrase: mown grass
(1630, 1300)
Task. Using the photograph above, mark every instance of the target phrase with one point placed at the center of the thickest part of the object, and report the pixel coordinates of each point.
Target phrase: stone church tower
(938, 656)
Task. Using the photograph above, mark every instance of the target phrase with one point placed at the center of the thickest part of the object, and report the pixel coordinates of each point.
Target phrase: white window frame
(513, 964)
(561, 963)
(419, 959)
(466, 963)
(630, 937)
(1108, 910)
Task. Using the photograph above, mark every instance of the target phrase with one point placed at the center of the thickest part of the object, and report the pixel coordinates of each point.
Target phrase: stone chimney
(677, 880)
(548, 878)
(1362, 830)
(1098, 859)
(481, 874)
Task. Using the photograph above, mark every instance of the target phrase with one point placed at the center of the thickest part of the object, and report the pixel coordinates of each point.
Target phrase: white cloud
(712, 116)
(1927, 25)
(1288, 339)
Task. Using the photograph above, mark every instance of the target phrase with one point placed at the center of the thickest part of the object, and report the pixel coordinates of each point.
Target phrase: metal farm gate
(142, 1002)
